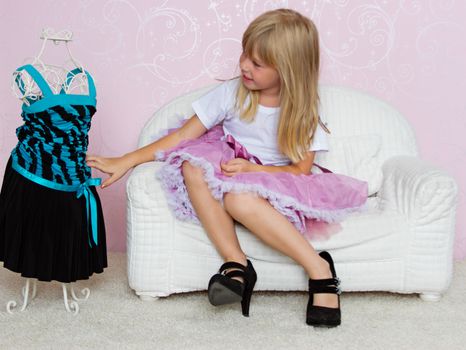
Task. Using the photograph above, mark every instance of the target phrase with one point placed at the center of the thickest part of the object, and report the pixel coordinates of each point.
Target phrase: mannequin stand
(70, 306)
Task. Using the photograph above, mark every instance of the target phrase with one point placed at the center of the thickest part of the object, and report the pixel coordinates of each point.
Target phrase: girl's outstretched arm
(117, 167)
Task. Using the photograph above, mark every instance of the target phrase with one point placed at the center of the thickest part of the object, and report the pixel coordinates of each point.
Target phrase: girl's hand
(115, 167)
(236, 166)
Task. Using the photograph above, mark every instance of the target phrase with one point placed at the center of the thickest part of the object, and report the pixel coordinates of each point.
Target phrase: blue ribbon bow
(91, 205)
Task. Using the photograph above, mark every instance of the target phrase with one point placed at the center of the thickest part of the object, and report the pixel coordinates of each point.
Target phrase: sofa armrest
(427, 196)
(150, 232)
(417, 189)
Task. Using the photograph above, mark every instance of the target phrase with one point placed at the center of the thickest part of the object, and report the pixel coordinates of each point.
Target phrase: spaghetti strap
(38, 78)
(90, 80)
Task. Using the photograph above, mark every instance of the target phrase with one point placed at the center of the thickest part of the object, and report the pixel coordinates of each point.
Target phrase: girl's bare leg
(218, 224)
(275, 230)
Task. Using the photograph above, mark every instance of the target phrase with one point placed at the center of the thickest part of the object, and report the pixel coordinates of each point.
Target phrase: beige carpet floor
(115, 318)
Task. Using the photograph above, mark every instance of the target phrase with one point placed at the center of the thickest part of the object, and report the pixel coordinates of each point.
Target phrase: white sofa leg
(148, 298)
(430, 296)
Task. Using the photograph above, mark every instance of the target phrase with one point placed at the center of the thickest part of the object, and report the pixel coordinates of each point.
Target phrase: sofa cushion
(356, 156)
(368, 235)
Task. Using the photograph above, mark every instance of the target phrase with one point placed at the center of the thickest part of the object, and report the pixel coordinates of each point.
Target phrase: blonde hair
(287, 41)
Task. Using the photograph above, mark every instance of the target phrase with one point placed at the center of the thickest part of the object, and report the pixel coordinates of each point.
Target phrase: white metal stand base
(74, 306)
(25, 292)
(70, 306)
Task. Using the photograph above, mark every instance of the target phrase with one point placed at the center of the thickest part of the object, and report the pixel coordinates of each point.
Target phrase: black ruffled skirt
(44, 233)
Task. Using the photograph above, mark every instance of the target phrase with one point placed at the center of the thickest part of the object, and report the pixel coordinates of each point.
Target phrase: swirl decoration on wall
(252, 8)
(368, 28)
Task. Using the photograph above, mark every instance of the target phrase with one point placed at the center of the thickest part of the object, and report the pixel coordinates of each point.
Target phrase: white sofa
(402, 243)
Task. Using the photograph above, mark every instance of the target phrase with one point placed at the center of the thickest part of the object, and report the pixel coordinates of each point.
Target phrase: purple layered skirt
(313, 203)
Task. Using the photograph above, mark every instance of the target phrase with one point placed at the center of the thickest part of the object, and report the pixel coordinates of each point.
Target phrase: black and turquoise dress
(51, 222)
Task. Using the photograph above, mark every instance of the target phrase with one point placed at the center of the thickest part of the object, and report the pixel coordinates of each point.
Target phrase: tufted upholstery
(402, 243)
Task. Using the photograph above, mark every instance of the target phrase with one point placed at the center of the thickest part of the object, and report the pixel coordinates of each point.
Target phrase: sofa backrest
(365, 131)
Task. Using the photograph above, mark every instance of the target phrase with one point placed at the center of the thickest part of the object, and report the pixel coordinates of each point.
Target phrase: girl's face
(256, 75)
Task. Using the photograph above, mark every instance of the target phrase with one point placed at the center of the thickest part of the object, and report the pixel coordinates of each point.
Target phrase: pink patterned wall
(143, 53)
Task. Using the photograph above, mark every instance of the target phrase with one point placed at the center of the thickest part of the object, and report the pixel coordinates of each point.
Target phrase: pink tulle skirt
(313, 203)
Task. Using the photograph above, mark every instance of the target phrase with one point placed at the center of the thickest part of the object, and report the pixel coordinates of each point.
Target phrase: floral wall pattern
(143, 53)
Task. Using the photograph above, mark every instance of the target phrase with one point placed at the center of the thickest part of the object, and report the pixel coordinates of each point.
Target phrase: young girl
(246, 156)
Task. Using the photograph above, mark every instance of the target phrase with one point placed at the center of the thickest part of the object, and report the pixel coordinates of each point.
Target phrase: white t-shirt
(260, 136)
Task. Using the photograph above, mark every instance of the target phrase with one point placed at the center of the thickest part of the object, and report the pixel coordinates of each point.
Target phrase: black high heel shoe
(321, 316)
(223, 289)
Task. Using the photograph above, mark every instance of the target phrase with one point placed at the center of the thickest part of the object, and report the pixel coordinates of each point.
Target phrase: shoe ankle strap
(329, 285)
(232, 265)
(235, 273)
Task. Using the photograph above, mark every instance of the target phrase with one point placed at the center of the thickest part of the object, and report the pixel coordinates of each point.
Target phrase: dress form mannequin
(61, 81)
(60, 78)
